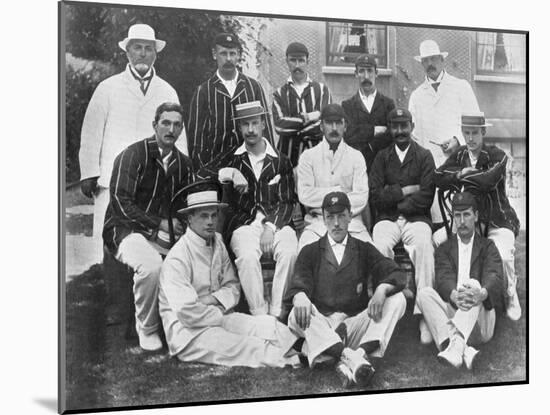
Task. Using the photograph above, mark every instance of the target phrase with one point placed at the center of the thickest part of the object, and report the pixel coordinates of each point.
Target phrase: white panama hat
(142, 32)
(429, 48)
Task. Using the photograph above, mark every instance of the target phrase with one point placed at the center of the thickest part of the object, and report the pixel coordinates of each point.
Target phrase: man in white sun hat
(436, 106)
(199, 289)
(119, 114)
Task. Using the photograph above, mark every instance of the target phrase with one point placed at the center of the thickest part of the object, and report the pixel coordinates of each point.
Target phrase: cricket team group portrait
(260, 206)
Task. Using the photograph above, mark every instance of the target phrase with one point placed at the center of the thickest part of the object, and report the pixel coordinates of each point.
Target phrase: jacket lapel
(410, 154)
(476, 250)
(454, 251)
(327, 252)
(348, 253)
(377, 102)
(133, 84)
(241, 87)
(268, 168)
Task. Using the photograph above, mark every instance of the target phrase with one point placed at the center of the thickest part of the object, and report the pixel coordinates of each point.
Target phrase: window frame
(482, 74)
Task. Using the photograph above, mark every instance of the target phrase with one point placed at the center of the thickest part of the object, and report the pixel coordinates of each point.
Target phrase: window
(346, 41)
(501, 53)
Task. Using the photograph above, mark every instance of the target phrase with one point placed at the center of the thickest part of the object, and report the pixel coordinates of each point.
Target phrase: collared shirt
(338, 248)
(464, 259)
(473, 159)
(165, 160)
(402, 153)
(368, 100)
(144, 80)
(438, 80)
(257, 163)
(230, 84)
(299, 88)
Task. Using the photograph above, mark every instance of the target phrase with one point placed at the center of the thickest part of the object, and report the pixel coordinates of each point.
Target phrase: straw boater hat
(429, 48)
(142, 32)
(249, 109)
(476, 119)
(202, 194)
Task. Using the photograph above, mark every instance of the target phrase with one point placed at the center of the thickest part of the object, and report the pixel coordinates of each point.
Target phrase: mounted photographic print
(263, 206)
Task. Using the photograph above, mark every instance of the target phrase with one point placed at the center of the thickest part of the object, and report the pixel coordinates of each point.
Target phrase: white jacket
(436, 115)
(320, 171)
(118, 115)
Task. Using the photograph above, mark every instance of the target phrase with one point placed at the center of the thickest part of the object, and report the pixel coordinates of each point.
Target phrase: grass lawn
(104, 369)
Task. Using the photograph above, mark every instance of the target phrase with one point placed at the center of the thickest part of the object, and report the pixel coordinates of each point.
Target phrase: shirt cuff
(271, 226)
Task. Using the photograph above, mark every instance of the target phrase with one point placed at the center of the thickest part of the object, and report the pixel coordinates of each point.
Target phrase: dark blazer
(489, 185)
(275, 201)
(332, 287)
(486, 267)
(388, 175)
(361, 123)
(141, 191)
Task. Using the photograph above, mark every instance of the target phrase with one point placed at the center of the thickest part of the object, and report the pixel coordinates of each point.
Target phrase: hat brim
(476, 125)
(419, 58)
(251, 115)
(159, 44)
(202, 205)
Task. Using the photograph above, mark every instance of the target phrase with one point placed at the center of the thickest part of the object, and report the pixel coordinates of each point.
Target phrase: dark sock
(342, 331)
(298, 344)
(335, 350)
(444, 344)
(370, 347)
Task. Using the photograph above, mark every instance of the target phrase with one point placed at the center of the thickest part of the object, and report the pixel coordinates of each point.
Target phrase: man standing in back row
(297, 106)
(213, 132)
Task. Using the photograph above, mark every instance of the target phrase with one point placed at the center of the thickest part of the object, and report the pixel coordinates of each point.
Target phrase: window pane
(501, 53)
(346, 41)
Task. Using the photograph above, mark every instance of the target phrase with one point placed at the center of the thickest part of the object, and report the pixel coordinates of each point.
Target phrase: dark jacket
(332, 287)
(486, 267)
(141, 191)
(388, 175)
(489, 185)
(361, 123)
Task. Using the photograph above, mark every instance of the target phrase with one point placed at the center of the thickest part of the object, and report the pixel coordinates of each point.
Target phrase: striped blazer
(141, 191)
(212, 132)
(488, 185)
(276, 201)
(294, 134)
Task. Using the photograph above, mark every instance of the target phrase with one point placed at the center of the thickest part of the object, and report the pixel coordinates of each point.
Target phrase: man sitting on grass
(198, 291)
(469, 287)
(331, 307)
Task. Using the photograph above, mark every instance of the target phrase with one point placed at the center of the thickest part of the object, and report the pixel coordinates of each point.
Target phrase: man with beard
(198, 291)
(469, 287)
(367, 112)
(402, 191)
(212, 129)
(437, 105)
(332, 166)
(120, 113)
(146, 176)
(297, 106)
(481, 170)
(260, 210)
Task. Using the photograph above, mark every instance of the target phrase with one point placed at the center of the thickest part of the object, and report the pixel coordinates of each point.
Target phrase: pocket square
(275, 180)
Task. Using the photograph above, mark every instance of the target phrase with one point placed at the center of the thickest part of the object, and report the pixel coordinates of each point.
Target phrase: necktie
(143, 82)
(435, 85)
(333, 146)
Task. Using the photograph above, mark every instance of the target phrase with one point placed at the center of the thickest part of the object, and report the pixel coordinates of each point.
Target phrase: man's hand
(303, 310)
(178, 227)
(473, 294)
(450, 145)
(458, 297)
(88, 187)
(410, 189)
(310, 117)
(209, 300)
(376, 303)
(466, 171)
(380, 129)
(266, 240)
(239, 182)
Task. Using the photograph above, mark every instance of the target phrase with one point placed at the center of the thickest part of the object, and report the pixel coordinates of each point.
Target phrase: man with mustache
(481, 170)
(297, 105)
(199, 289)
(402, 191)
(331, 166)
(330, 305)
(469, 289)
(436, 106)
(213, 131)
(120, 113)
(260, 210)
(367, 112)
(146, 176)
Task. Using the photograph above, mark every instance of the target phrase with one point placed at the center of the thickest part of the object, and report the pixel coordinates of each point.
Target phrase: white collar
(438, 80)
(468, 244)
(226, 81)
(196, 239)
(136, 73)
(268, 149)
(332, 242)
(402, 152)
(370, 96)
(326, 144)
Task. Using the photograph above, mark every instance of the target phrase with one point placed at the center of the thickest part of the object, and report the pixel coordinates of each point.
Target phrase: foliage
(93, 32)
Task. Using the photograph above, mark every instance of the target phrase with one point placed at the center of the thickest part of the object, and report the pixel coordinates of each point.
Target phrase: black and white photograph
(259, 206)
